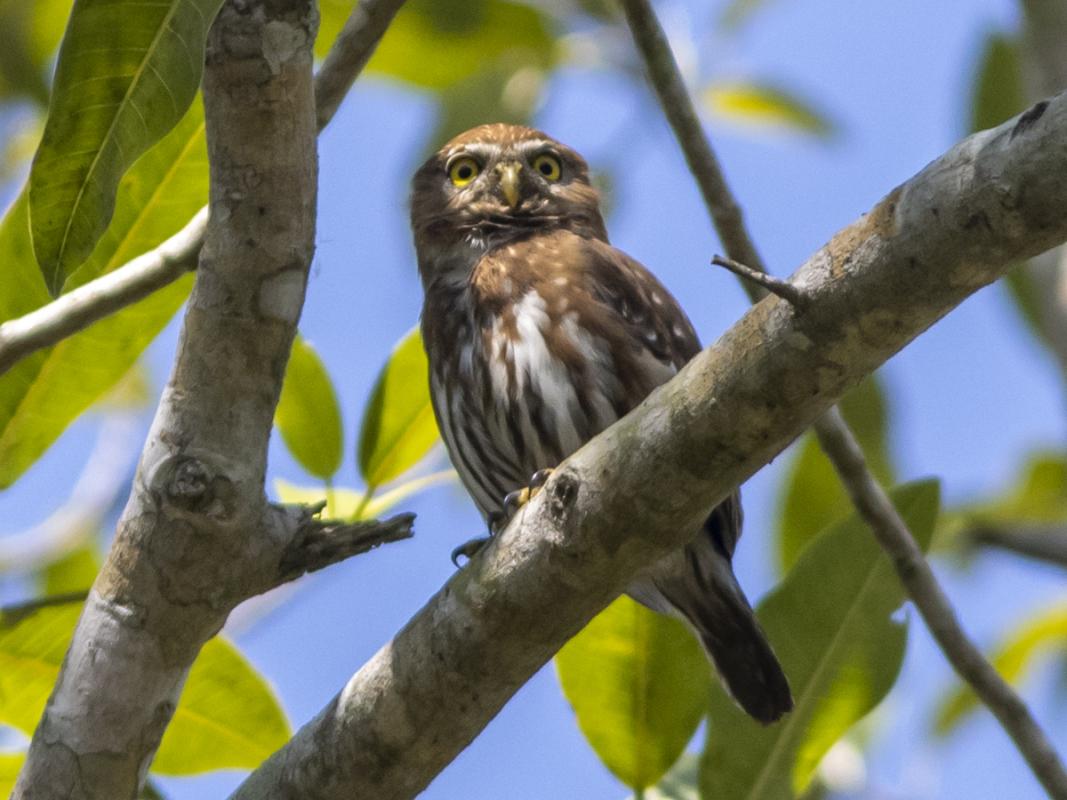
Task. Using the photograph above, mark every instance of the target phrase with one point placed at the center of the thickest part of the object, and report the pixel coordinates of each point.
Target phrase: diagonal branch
(626, 498)
(835, 437)
(1046, 543)
(135, 280)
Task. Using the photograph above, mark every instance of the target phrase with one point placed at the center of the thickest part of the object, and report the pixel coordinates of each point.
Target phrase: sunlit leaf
(766, 106)
(42, 394)
(638, 683)
(832, 624)
(10, 765)
(227, 716)
(308, 415)
(398, 426)
(349, 504)
(1046, 633)
(436, 43)
(812, 495)
(126, 74)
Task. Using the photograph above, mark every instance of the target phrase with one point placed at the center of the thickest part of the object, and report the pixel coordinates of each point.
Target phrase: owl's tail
(698, 584)
(738, 648)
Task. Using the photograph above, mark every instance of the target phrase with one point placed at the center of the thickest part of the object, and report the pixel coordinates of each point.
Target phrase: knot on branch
(320, 543)
(562, 492)
(190, 484)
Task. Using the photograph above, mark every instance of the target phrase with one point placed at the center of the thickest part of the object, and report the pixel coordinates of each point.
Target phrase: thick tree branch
(198, 536)
(134, 281)
(626, 498)
(835, 437)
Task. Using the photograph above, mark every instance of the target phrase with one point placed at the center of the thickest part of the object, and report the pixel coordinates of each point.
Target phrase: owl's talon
(469, 549)
(539, 479)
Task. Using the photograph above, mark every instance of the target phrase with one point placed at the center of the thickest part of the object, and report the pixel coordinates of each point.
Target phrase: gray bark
(630, 495)
(198, 535)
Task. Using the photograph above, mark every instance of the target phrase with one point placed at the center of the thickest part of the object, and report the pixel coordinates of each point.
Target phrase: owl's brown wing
(653, 338)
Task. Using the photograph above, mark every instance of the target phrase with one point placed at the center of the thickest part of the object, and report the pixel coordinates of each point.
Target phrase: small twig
(836, 438)
(793, 295)
(164, 264)
(324, 542)
(1046, 543)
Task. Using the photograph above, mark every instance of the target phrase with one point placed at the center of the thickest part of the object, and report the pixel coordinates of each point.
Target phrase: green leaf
(398, 426)
(227, 716)
(31, 33)
(1046, 633)
(42, 394)
(1039, 497)
(473, 33)
(832, 626)
(74, 572)
(500, 94)
(638, 683)
(10, 765)
(766, 106)
(126, 74)
(737, 12)
(680, 783)
(308, 415)
(998, 93)
(812, 495)
(352, 505)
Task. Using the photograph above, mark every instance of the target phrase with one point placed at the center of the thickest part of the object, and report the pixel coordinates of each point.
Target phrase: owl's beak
(510, 174)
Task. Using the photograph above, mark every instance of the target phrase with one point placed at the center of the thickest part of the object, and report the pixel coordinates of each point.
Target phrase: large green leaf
(10, 765)
(812, 495)
(638, 683)
(74, 571)
(41, 395)
(227, 716)
(126, 75)
(766, 106)
(832, 625)
(398, 426)
(1046, 633)
(436, 43)
(308, 415)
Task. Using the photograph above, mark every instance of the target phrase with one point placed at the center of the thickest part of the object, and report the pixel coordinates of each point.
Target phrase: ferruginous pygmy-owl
(540, 334)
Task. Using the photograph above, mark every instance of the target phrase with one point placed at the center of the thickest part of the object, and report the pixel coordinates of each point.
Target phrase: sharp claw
(539, 479)
(468, 550)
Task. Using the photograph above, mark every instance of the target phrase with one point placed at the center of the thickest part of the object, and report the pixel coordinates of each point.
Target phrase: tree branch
(835, 437)
(135, 280)
(627, 497)
(1046, 543)
(198, 536)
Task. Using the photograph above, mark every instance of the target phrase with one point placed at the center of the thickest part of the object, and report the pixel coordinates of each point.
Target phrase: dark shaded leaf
(832, 625)
(812, 495)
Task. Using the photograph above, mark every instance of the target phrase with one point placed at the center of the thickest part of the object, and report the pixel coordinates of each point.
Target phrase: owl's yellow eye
(463, 170)
(548, 167)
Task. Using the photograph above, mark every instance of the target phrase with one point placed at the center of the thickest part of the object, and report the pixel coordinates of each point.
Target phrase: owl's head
(496, 183)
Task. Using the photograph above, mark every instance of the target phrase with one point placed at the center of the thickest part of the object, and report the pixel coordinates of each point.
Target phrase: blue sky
(970, 398)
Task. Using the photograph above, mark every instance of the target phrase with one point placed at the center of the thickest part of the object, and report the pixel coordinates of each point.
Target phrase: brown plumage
(540, 334)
